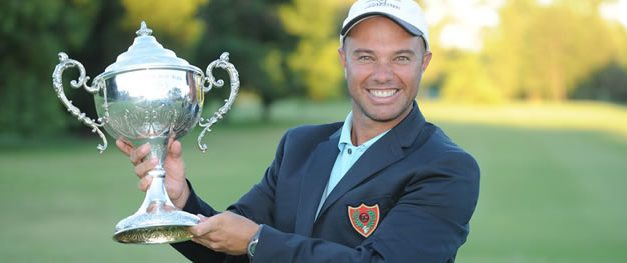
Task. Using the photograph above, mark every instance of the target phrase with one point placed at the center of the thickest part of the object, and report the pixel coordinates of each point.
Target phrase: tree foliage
(541, 52)
(32, 33)
(315, 60)
(538, 51)
(95, 32)
(475, 84)
(174, 22)
(606, 84)
(253, 34)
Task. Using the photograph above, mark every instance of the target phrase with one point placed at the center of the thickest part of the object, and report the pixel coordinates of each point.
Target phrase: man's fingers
(175, 148)
(204, 233)
(144, 183)
(124, 146)
(202, 217)
(143, 168)
(138, 154)
(205, 226)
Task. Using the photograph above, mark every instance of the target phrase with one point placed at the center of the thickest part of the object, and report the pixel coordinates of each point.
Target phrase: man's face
(383, 65)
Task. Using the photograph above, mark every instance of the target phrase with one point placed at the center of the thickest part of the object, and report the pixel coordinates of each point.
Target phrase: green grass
(547, 194)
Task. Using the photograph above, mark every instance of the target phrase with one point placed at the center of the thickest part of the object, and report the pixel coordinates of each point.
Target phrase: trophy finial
(143, 30)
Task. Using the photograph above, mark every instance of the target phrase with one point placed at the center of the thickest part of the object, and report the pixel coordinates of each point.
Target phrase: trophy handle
(223, 63)
(57, 82)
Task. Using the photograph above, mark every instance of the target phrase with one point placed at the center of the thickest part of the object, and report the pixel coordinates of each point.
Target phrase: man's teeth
(382, 93)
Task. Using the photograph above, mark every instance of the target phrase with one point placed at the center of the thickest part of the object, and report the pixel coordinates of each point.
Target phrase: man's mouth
(382, 93)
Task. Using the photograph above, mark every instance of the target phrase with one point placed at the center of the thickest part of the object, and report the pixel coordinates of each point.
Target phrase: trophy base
(155, 228)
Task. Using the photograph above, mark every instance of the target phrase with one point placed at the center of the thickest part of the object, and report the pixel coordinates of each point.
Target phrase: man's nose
(382, 72)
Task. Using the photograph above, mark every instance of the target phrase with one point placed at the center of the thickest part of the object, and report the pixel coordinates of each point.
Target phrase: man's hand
(226, 232)
(175, 183)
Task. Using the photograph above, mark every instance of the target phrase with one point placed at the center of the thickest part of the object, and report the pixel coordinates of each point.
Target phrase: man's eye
(403, 59)
(365, 58)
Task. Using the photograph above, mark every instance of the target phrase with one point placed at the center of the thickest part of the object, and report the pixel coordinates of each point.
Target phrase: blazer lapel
(315, 178)
(384, 152)
(381, 154)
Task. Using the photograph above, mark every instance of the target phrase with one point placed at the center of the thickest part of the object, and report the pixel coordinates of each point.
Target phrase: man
(383, 186)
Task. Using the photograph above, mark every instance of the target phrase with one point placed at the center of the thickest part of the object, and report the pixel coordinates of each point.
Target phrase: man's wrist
(252, 243)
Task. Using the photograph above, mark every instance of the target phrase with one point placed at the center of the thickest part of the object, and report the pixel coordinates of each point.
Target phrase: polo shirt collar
(345, 135)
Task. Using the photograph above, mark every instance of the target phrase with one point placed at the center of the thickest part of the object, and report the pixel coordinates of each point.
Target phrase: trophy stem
(156, 199)
(157, 220)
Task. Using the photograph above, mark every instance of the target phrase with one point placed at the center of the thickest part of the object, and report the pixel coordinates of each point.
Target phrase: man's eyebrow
(399, 52)
(363, 50)
(405, 51)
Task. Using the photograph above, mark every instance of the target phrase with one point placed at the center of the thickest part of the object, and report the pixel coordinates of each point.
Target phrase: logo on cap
(382, 3)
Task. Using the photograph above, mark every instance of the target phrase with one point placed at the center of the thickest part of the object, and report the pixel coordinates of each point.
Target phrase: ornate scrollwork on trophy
(223, 63)
(57, 81)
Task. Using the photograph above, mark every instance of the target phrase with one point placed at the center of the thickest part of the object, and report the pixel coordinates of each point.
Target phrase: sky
(617, 11)
(471, 16)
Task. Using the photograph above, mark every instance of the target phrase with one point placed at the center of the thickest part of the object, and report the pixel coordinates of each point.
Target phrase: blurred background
(536, 90)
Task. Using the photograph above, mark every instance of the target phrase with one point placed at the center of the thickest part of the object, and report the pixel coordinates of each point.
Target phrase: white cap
(406, 13)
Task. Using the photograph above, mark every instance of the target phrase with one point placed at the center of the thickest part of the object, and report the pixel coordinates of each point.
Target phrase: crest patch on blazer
(364, 219)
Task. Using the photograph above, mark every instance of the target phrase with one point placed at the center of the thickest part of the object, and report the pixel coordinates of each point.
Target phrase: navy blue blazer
(409, 198)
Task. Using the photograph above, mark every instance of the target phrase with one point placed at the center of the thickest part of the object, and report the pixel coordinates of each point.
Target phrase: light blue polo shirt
(349, 154)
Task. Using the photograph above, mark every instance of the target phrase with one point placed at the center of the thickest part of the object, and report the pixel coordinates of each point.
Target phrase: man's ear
(426, 58)
(342, 54)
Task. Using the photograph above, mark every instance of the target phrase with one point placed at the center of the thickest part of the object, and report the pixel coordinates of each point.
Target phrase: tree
(174, 22)
(467, 79)
(32, 34)
(456, 74)
(542, 51)
(258, 44)
(315, 59)
(607, 84)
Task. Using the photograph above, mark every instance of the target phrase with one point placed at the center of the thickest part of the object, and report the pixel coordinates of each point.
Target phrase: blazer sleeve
(191, 250)
(256, 205)
(428, 224)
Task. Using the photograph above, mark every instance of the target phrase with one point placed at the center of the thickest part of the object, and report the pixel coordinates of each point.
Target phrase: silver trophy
(147, 96)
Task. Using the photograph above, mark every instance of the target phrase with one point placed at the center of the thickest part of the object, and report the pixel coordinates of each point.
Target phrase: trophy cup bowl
(147, 96)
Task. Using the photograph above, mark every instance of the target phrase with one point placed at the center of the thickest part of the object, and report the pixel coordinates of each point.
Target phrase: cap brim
(408, 27)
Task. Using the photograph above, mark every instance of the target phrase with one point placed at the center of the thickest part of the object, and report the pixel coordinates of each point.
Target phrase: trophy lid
(146, 52)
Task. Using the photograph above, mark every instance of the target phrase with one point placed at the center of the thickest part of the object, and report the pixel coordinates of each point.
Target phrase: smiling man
(384, 64)
(382, 186)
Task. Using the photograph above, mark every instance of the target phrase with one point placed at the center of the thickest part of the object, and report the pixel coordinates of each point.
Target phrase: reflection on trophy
(147, 96)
